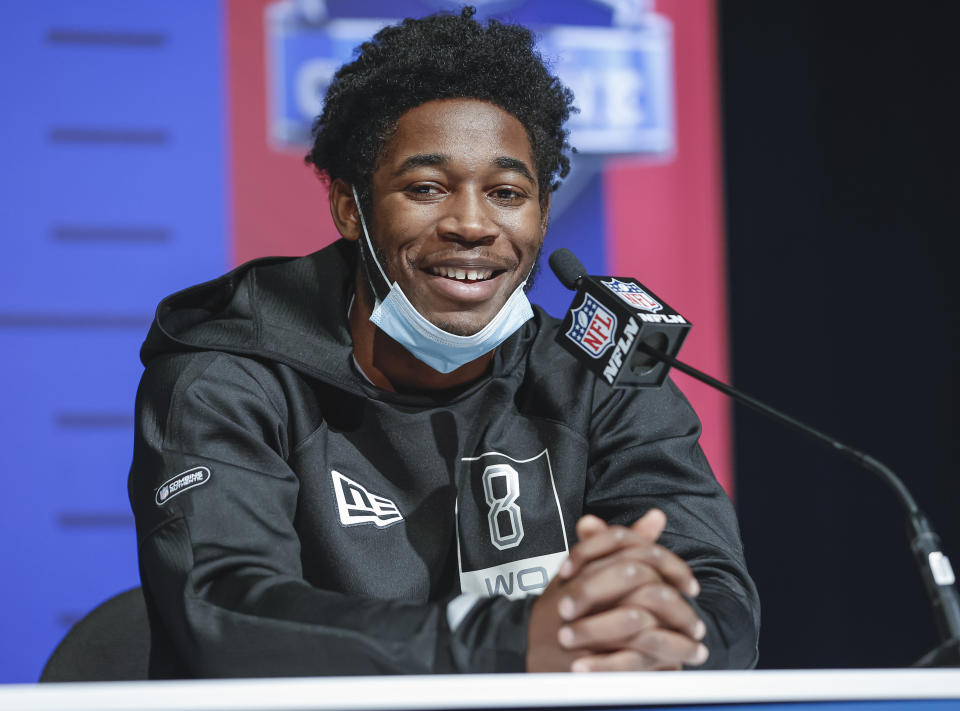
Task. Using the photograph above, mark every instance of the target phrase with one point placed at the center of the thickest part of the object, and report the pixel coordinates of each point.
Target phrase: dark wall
(842, 168)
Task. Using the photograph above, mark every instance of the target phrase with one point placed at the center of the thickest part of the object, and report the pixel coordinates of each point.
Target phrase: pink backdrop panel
(665, 222)
(664, 216)
(279, 206)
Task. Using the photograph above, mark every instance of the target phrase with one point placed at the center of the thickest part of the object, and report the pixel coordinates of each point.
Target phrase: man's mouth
(466, 275)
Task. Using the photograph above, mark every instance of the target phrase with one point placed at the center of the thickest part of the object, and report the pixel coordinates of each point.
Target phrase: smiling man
(459, 222)
(376, 459)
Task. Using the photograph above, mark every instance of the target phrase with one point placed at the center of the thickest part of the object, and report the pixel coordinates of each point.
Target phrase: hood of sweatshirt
(290, 310)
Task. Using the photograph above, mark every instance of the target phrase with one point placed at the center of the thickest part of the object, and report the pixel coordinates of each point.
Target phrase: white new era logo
(358, 506)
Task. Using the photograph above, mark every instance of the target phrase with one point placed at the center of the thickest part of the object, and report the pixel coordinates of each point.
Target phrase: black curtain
(842, 175)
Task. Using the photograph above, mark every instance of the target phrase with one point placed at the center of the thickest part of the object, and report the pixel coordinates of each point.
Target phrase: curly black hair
(438, 57)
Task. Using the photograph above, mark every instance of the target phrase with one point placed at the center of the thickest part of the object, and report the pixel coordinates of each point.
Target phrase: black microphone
(629, 337)
(567, 267)
(613, 324)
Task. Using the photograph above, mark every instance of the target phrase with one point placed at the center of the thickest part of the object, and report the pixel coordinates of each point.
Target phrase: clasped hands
(617, 604)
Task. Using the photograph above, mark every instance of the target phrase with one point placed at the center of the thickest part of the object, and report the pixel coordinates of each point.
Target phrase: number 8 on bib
(504, 512)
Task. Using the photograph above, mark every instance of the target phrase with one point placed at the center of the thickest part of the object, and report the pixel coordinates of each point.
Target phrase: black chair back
(112, 643)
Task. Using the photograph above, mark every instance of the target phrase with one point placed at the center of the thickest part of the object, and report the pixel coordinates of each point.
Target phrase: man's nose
(467, 218)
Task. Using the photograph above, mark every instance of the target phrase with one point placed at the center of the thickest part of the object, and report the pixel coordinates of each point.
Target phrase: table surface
(475, 691)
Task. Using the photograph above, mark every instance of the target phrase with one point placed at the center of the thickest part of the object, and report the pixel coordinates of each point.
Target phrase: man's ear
(344, 210)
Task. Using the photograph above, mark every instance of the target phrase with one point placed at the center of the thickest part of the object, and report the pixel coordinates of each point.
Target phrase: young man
(375, 459)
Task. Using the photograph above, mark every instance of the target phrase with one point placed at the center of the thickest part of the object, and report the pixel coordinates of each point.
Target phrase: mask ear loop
(368, 255)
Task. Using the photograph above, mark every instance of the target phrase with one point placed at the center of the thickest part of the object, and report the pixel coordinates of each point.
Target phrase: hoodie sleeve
(644, 454)
(215, 504)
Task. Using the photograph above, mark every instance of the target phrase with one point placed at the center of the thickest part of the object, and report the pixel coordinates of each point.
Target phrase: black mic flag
(609, 318)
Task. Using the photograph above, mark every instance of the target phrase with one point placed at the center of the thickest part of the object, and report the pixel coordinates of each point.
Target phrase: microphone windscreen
(567, 267)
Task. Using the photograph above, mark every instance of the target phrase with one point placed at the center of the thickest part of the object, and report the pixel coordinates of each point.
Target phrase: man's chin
(466, 322)
(458, 326)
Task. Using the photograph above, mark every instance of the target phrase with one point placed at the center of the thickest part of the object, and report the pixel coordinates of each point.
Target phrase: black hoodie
(293, 519)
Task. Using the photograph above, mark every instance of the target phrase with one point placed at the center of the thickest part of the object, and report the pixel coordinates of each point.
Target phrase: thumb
(651, 524)
(589, 525)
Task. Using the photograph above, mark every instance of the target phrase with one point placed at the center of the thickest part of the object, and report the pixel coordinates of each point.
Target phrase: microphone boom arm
(935, 569)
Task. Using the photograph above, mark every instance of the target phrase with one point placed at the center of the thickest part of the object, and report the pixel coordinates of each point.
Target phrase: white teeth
(463, 274)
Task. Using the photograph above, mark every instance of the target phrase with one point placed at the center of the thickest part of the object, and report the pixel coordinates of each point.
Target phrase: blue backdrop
(113, 196)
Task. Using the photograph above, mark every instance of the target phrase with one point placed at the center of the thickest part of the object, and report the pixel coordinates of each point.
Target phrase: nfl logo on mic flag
(592, 326)
(633, 295)
(609, 318)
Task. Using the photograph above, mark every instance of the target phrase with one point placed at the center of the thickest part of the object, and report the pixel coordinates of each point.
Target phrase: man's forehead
(444, 131)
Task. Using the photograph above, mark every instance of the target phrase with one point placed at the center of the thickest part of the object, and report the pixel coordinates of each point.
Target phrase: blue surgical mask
(441, 350)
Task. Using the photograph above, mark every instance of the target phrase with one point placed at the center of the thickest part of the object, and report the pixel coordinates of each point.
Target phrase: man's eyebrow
(517, 166)
(421, 159)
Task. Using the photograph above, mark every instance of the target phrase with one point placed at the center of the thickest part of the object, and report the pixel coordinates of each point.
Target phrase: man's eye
(424, 190)
(508, 195)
